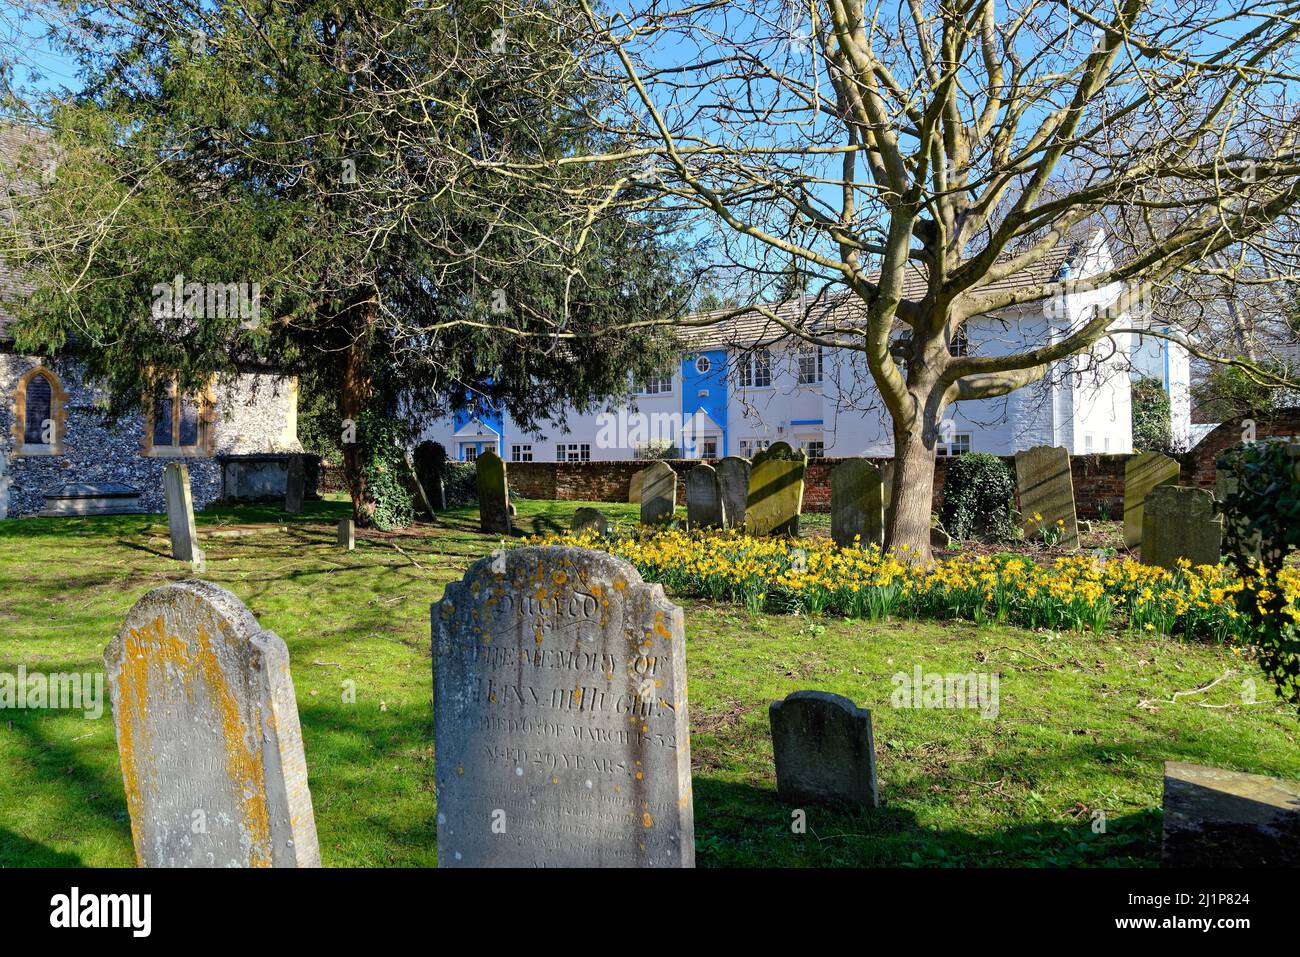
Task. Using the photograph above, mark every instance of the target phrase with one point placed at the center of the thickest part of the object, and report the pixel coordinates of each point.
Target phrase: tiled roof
(840, 309)
(17, 144)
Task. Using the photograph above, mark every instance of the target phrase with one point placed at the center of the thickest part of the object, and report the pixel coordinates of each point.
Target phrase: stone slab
(704, 503)
(1219, 818)
(775, 499)
(180, 512)
(733, 482)
(591, 520)
(658, 494)
(857, 504)
(493, 494)
(1180, 522)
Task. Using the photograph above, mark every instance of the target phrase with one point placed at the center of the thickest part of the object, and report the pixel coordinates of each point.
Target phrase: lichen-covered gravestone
(658, 493)
(493, 494)
(1180, 522)
(180, 512)
(823, 749)
(776, 491)
(589, 520)
(857, 504)
(704, 505)
(1142, 473)
(560, 726)
(733, 482)
(1046, 488)
(208, 734)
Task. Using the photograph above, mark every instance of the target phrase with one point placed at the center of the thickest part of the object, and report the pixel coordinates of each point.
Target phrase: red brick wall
(1198, 464)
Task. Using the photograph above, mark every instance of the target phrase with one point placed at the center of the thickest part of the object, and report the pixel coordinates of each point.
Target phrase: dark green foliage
(385, 467)
(977, 494)
(460, 480)
(1227, 392)
(1152, 426)
(1267, 500)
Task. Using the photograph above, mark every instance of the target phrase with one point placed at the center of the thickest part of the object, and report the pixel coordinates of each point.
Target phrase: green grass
(1084, 722)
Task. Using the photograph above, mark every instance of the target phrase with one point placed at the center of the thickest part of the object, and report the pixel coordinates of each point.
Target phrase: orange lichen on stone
(647, 820)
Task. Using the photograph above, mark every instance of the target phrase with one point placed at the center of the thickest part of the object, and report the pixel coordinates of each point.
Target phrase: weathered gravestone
(347, 534)
(634, 487)
(1142, 473)
(590, 520)
(295, 485)
(430, 460)
(857, 504)
(493, 494)
(560, 720)
(658, 493)
(1218, 818)
(704, 504)
(208, 734)
(1046, 488)
(1179, 522)
(421, 504)
(180, 512)
(823, 749)
(776, 491)
(733, 483)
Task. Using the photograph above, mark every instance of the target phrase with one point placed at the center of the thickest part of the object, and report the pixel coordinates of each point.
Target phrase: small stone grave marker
(823, 749)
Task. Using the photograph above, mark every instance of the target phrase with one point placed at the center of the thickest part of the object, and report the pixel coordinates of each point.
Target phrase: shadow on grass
(18, 851)
(740, 825)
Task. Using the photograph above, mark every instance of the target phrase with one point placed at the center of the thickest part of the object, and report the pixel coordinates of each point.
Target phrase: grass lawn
(1084, 722)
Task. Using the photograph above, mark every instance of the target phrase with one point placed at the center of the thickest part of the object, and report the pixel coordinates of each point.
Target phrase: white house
(745, 383)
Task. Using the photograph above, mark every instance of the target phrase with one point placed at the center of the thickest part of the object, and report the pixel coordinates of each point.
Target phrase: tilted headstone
(591, 520)
(658, 493)
(4, 484)
(857, 504)
(420, 501)
(1238, 536)
(1179, 522)
(634, 487)
(733, 482)
(295, 485)
(430, 460)
(704, 504)
(208, 734)
(823, 749)
(776, 491)
(180, 512)
(560, 723)
(493, 494)
(1046, 488)
(1219, 818)
(1142, 473)
(347, 534)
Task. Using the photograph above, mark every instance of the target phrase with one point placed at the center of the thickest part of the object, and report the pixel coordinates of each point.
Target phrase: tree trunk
(907, 526)
(358, 389)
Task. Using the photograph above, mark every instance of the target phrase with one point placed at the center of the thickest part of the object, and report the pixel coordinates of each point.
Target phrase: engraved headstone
(634, 487)
(430, 461)
(347, 534)
(733, 482)
(776, 491)
(295, 485)
(658, 493)
(560, 719)
(823, 749)
(857, 504)
(704, 504)
(1179, 522)
(1047, 489)
(493, 494)
(591, 520)
(180, 512)
(1142, 473)
(208, 734)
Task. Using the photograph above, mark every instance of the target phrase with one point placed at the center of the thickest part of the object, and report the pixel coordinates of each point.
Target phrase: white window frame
(811, 364)
(960, 445)
(756, 370)
(656, 385)
(521, 453)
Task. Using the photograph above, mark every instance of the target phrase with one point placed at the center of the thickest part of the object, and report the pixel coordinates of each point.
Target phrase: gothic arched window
(39, 412)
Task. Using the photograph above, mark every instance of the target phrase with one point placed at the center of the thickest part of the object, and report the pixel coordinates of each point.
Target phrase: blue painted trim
(807, 422)
(715, 381)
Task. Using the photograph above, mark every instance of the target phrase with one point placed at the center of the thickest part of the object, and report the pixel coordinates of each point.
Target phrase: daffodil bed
(814, 576)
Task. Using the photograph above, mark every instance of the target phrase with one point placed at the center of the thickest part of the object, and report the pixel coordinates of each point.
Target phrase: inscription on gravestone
(1046, 488)
(1180, 522)
(560, 716)
(208, 734)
